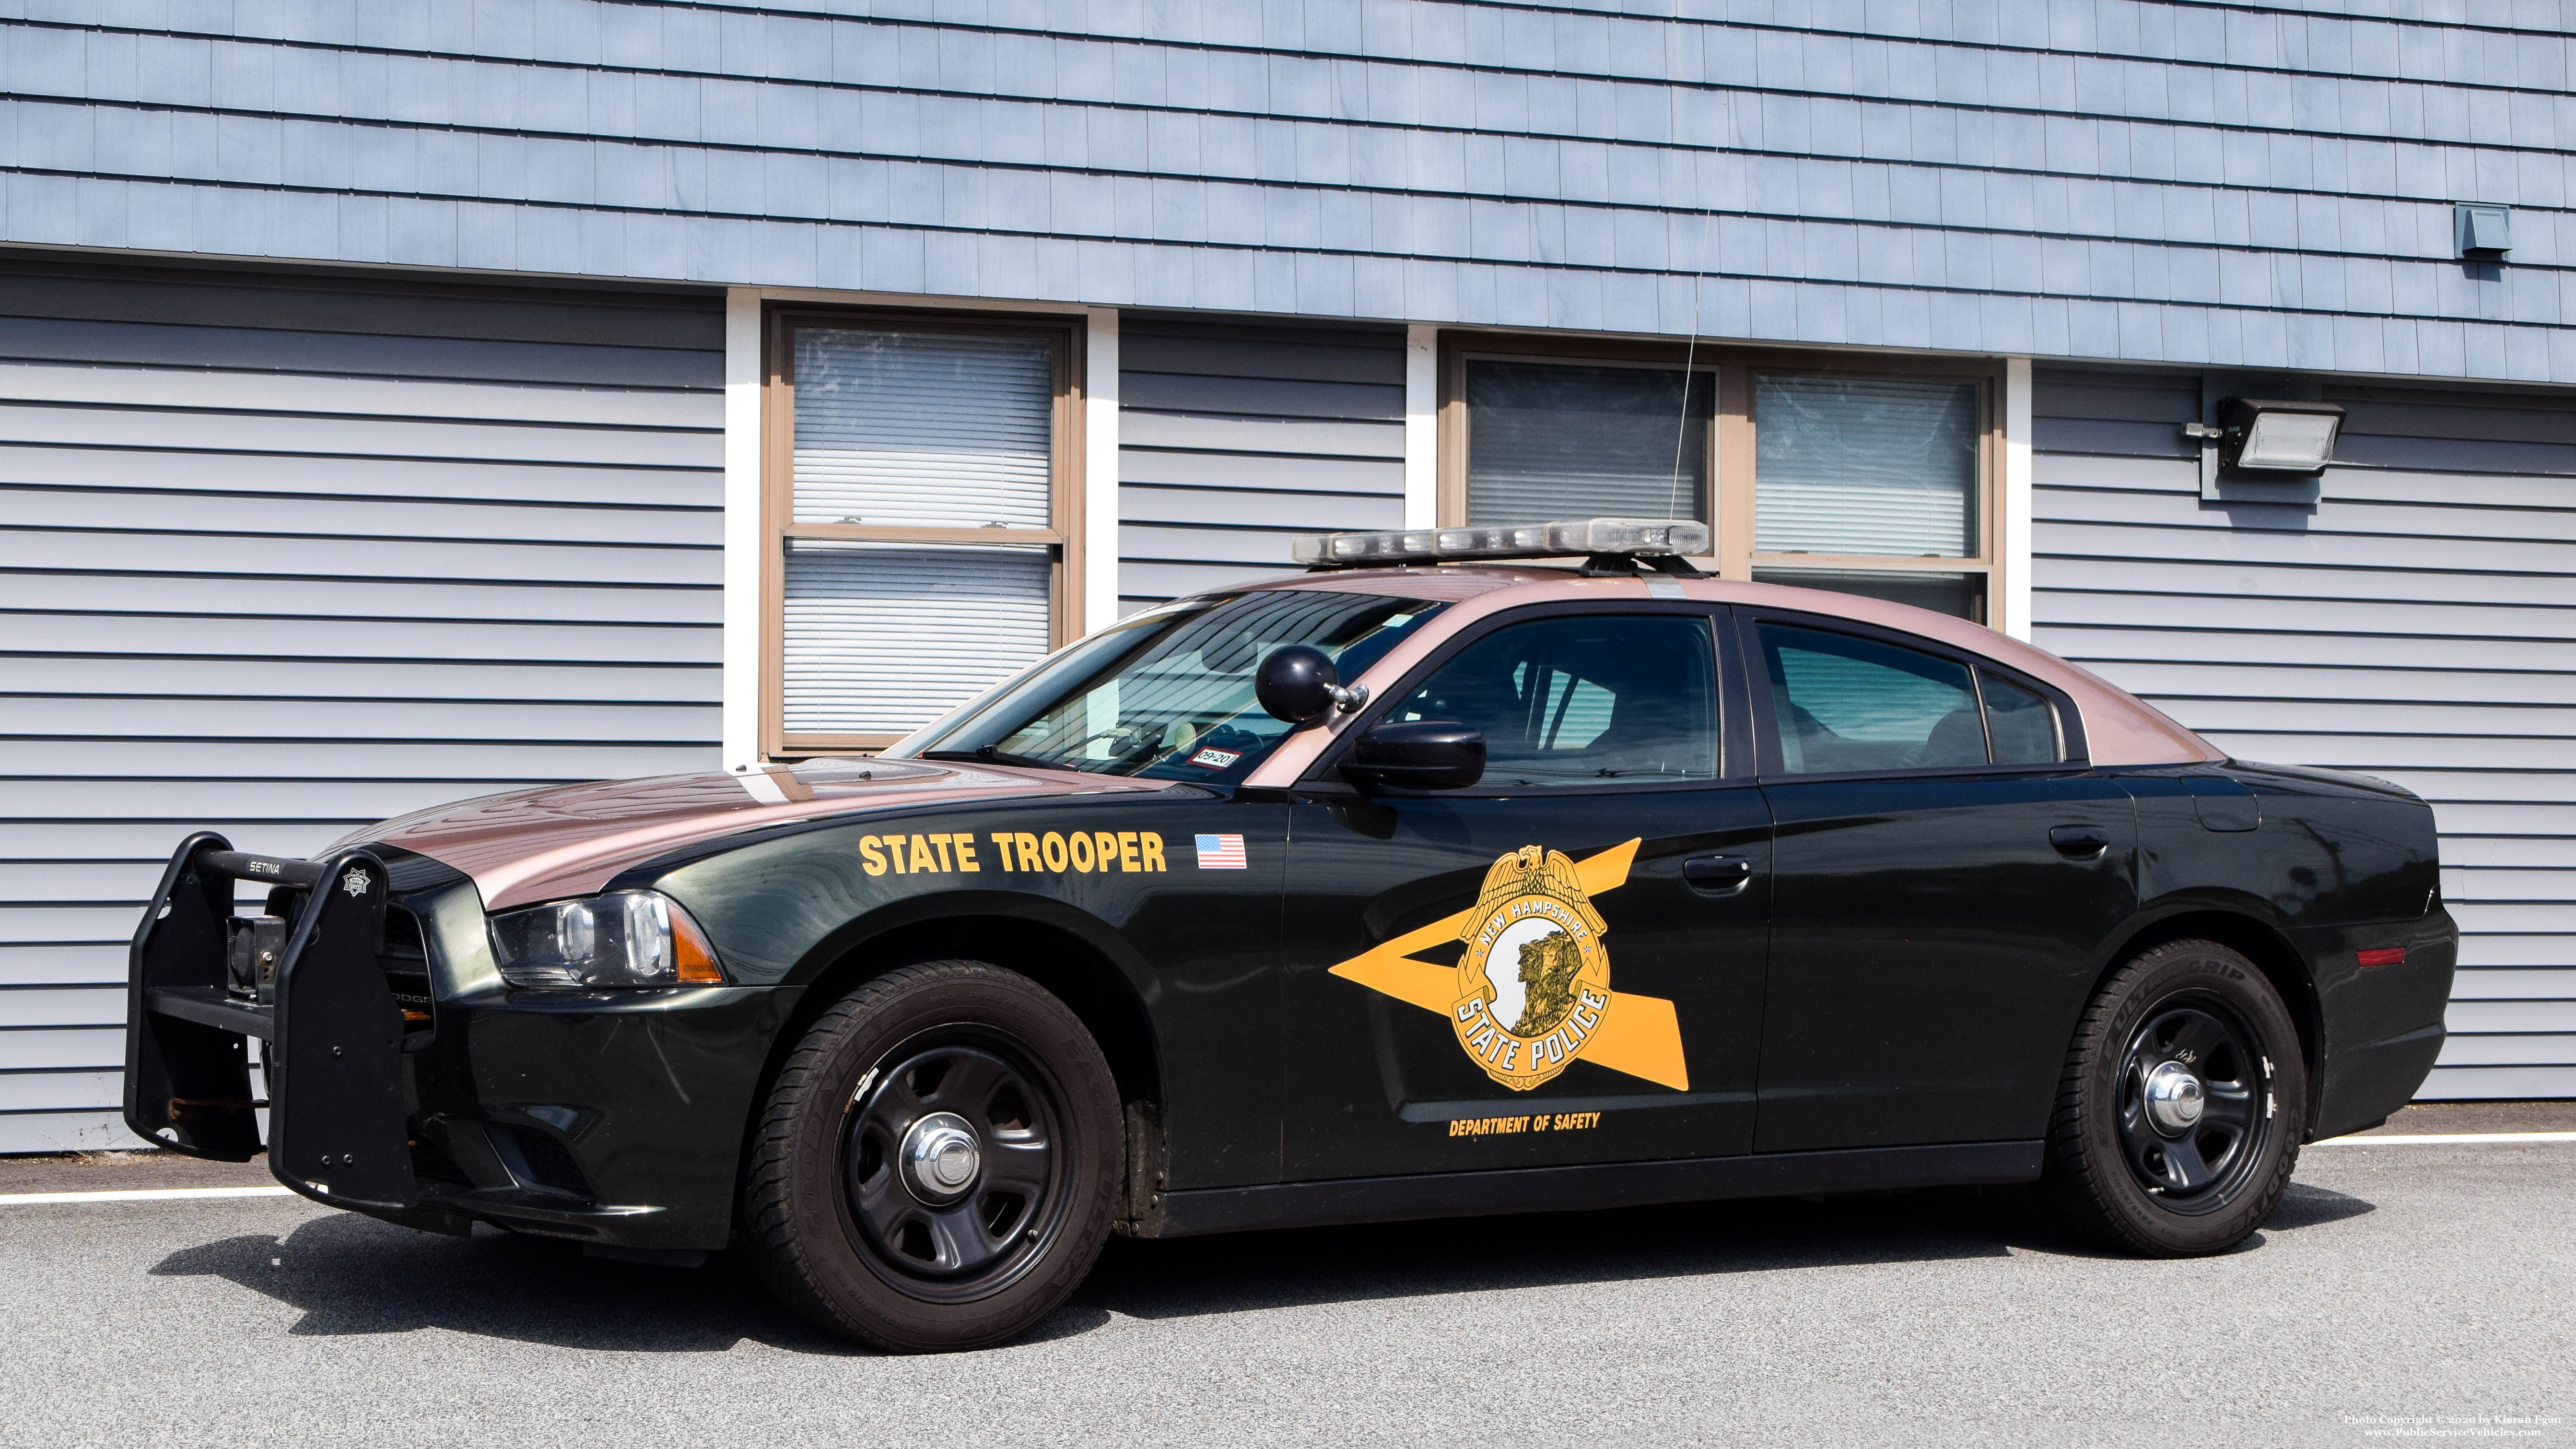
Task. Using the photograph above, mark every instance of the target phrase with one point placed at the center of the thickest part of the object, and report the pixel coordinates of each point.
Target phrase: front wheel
(937, 1166)
(2184, 1099)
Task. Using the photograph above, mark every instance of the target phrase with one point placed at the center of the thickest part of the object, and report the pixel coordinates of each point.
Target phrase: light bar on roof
(1567, 537)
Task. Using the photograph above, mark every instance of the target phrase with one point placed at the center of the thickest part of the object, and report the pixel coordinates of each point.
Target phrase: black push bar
(334, 1034)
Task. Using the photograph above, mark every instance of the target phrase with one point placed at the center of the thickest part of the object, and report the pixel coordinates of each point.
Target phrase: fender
(963, 906)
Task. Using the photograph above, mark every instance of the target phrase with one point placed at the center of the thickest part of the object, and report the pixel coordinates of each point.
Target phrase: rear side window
(1845, 704)
(2021, 725)
(1583, 700)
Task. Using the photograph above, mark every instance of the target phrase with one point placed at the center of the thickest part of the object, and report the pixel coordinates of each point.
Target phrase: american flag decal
(1222, 852)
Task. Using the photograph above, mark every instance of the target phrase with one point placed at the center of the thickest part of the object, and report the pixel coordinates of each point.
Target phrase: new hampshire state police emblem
(1534, 979)
(1531, 994)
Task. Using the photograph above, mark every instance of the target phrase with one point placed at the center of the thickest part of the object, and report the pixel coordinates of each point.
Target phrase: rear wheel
(937, 1166)
(2182, 1105)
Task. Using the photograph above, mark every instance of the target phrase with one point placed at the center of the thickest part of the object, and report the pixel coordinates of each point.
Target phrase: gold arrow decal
(1638, 1035)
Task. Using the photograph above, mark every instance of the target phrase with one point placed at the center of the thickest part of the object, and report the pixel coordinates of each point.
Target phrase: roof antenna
(1690, 354)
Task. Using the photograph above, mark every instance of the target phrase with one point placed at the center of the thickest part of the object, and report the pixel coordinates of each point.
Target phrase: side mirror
(1298, 683)
(1428, 754)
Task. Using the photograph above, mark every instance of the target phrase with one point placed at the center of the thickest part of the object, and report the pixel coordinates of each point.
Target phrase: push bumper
(333, 1033)
(614, 1118)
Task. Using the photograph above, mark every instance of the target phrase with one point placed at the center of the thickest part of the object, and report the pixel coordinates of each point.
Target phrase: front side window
(1843, 705)
(1168, 695)
(921, 527)
(1583, 700)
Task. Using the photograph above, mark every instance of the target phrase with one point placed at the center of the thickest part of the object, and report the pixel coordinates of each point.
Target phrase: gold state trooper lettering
(1082, 852)
(1531, 993)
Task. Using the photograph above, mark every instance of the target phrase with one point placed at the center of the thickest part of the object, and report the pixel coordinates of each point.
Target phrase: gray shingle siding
(2418, 626)
(2080, 178)
(297, 554)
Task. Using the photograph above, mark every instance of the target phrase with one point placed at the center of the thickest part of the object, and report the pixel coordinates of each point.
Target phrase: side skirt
(1571, 1189)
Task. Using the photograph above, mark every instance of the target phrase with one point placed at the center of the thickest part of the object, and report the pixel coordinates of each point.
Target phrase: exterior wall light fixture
(2272, 436)
(2271, 446)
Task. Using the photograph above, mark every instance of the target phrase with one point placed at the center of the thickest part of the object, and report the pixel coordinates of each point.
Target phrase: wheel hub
(941, 1157)
(2175, 1097)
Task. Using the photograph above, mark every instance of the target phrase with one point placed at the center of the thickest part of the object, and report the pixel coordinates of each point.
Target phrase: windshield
(1168, 695)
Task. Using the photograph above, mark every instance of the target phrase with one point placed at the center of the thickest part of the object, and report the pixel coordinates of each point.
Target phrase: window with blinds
(1813, 471)
(1553, 440)
(922, 524)
(1856, 465)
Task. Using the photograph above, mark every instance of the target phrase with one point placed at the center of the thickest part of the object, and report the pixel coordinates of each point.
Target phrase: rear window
(1843, 704)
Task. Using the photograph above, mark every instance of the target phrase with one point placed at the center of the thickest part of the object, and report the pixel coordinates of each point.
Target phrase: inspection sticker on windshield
(1222, 852)
(1216, 759)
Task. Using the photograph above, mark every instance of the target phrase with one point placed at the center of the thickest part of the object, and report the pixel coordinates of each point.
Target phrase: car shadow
(1199, 1276)
(353, 1275)
(2304, 1206)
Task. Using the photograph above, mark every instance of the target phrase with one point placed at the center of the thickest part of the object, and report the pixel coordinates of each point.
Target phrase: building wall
(1234, 438)
(2419, 626)
(282, 557)
(2265, 185)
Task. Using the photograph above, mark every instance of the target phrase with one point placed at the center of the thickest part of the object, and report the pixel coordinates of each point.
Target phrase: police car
(1430, 882)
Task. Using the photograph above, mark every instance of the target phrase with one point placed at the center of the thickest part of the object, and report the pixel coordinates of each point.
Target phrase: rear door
(1947, 874)
(1560, 964)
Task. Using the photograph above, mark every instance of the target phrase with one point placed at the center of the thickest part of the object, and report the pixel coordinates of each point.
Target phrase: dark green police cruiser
(1420, 885)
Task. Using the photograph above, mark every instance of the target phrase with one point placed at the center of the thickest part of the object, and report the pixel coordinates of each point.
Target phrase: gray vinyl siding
(2117, 179)
(2419, 626)
(282, 556)
(1234, 438)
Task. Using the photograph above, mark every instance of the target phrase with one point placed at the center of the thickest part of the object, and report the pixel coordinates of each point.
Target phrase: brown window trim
(1734, 435)
(777, 492)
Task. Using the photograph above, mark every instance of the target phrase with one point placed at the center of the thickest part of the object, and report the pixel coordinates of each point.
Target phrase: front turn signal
(690, 952)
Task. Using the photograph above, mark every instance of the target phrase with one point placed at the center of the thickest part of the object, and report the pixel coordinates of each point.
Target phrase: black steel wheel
(950, 1179)
(2192, 1099)
(2182, 1105)
(938, 1163)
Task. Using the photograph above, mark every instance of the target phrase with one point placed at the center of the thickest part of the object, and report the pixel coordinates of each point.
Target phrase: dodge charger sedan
(1430, 882)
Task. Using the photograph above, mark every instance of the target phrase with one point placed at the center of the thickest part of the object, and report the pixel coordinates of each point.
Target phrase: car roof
(2119, 728)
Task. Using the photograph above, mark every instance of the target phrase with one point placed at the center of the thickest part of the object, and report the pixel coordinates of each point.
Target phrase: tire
(2130, 1163)
(862, 1210)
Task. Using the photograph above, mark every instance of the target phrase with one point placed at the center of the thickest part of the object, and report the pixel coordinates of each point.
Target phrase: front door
(1561, 964)
(1947, 875)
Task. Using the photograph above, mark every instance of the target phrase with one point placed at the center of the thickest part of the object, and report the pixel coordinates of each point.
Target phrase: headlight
(628, 938)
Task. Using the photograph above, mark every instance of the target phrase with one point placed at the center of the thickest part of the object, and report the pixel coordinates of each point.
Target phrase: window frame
(1736, 758)
(1765, 705)
(1062, 540)
(1732, 485)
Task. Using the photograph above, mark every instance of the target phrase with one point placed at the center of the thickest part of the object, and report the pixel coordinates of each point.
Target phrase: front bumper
(616, 1118)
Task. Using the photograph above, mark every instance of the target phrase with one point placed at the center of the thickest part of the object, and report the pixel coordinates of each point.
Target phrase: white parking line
(2427, 1139)
(144, 1194)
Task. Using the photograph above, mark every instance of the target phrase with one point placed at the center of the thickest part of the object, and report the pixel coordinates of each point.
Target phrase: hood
(569, 840)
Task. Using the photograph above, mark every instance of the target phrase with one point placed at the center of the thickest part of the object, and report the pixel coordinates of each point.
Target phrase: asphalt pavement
(2403, 1292)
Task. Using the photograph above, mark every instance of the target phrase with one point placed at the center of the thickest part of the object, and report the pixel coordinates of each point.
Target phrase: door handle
(2080, 842)
(1717, 875)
